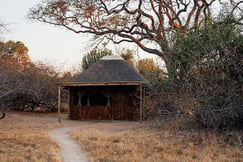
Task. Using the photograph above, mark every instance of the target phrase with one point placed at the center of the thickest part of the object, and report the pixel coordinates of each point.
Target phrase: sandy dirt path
(70, 149)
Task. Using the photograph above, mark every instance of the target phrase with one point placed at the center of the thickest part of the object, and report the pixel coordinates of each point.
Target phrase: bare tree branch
(137, 21)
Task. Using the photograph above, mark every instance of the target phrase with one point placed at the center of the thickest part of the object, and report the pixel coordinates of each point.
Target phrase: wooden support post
(68, 103)
(141, 102)
(59, 104)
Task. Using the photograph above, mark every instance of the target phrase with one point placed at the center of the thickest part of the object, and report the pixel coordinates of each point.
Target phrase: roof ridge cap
(112, 57)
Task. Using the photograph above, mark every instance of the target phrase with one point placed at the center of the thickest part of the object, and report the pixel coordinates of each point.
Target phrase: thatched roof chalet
(106, 91)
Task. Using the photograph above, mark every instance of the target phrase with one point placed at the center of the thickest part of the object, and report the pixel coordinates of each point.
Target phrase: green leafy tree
(208, 63)
(93, 56)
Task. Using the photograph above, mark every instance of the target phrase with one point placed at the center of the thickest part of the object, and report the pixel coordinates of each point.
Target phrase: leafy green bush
(207, 66)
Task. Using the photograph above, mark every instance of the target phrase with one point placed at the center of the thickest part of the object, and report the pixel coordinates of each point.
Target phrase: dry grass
(131, 141)
(24, 137)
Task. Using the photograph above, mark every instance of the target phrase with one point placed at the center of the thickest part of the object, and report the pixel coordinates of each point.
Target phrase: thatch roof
(109, 70)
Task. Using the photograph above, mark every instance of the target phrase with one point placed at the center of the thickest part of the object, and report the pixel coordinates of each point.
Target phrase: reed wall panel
(90, 113)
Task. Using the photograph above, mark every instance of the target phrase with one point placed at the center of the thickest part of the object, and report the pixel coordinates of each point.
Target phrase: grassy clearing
(24, 137)
(142, 142)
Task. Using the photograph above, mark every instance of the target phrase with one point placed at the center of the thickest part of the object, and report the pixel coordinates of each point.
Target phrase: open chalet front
(111, 89)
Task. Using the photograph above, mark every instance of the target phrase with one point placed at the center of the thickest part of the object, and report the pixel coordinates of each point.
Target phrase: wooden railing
(90, 113)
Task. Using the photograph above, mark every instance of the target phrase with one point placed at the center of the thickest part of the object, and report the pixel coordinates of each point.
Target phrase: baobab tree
(150, 24)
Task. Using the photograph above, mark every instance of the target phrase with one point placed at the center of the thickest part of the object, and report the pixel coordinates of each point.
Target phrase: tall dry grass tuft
(25, 138)
(131, 141)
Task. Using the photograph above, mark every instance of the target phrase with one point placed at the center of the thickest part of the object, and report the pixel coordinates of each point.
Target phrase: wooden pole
(144, 103)
(68, 103)
(141, 102)
(59, 104)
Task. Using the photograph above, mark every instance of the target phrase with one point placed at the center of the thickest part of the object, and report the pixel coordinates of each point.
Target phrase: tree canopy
(127, 55)
(93, 56)
(15, 52)
(150, 71)
(150, 24)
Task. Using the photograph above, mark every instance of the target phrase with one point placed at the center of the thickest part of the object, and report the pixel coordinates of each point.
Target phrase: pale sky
(46, 43)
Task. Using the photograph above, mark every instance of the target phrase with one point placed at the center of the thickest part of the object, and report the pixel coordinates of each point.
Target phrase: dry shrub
(30, 88)
(38, 89)
(168, 102)
(143, 142)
